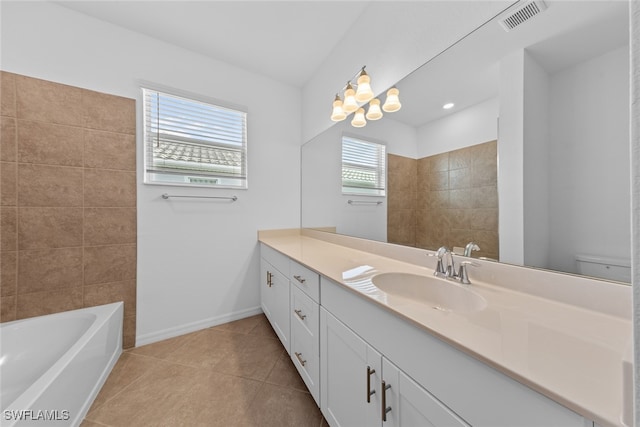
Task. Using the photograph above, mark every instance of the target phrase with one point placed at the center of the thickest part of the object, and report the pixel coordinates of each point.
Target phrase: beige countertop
(569, 353)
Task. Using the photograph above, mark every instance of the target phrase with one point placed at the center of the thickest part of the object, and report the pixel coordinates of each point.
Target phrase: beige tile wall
(402, 179)
(458, 199)
(448, 199)
(68, 200)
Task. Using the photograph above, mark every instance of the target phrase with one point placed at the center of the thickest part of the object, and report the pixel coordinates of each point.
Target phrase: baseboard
(195, 326)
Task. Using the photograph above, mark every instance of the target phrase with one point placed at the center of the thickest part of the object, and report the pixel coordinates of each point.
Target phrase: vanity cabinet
(362, 388)
(274, 293)
(469, 389)
(305, 328)
(352, 353)
(290, 298)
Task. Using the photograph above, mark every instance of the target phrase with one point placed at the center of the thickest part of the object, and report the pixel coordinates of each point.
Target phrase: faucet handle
(463, 276)
(440, 268)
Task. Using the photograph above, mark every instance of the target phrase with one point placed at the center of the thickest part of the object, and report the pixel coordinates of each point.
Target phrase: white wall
(510, 159)
(634, 12)
(589, 132)
(323, 204)
(471, 126)
(198, 262)
(536, 164)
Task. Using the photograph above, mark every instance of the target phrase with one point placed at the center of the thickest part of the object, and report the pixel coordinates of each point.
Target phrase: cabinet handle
(302, 362)
(269, 278)
(300, 279)
(300, 315)
(369, 391)
(385, 408)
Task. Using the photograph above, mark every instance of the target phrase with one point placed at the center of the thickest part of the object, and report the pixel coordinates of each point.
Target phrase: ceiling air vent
(525, 12)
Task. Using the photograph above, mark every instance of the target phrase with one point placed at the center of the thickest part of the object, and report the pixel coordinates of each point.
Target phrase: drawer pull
(300, 315)
(369, 391)
(300, 279)
(299, 356)
(385, 408)
(269, 279)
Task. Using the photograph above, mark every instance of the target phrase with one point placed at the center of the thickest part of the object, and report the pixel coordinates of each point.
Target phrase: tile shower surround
(68, 200)
(447, 199)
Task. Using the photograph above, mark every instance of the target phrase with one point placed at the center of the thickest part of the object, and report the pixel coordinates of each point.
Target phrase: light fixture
(358, 119)
(338, 113)
(448, 105)
(364, 92)
(374, 112)
(357, 93)
(392, 103)
(350, 104)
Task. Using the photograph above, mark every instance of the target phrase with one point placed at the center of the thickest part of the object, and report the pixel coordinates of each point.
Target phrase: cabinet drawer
(305, 279)
(305, 313)
(305, 343)
(275, 258)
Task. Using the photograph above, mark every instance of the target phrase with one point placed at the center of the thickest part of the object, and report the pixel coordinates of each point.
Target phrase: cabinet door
(347, 362)
(410, 405)
(274, 299)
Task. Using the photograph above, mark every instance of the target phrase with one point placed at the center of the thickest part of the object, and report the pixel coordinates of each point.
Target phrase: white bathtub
(52, 367)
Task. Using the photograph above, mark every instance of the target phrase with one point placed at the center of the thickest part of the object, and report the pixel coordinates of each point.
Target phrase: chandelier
(357, 93)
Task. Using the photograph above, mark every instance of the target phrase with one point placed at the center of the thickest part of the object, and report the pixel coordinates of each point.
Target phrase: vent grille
(523, 14)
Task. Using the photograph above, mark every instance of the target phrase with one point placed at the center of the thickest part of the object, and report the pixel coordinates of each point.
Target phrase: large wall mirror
(531, 163)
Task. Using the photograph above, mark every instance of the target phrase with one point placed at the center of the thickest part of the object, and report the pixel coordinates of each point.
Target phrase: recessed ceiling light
(448, 105)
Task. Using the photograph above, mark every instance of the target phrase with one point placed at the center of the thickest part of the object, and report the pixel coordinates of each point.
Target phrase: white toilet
(618, 269)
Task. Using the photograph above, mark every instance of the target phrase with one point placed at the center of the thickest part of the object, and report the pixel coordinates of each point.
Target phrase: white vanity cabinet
(352, 353)
(459, 386)
(290, 298)
(274, 292)
(305, 324)
(362, 388)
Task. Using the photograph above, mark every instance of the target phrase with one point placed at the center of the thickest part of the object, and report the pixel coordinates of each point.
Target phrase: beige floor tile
(177, 396)
(162, 349)
(264, 328)
(242, 326)
(280, 406)
(285, 374)
(130, 368)
(250, 356)
(87, 423)
(196, 380)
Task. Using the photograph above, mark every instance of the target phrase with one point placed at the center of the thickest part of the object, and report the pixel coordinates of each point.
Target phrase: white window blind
(363, 167)
(193, 142)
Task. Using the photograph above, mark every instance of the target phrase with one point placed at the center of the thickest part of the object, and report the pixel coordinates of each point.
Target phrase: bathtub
(52, 367)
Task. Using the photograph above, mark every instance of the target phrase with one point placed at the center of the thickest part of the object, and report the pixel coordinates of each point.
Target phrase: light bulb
(392, 103)
(374, 112)
(338, 113)
(364, 92)
(448, 105)
(350, 105)
(358, 119)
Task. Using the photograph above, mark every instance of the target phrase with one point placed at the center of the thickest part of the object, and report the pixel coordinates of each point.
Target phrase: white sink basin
(437, 293)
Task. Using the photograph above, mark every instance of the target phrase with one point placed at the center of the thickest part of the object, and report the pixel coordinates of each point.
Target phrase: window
(190, 142)
(363, 167)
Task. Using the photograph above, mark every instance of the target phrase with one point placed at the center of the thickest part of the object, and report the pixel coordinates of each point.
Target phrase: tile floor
(236, 374)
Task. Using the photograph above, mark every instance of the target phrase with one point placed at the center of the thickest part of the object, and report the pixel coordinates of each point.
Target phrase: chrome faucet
(446, 266)
(441, 271)
(471, 246)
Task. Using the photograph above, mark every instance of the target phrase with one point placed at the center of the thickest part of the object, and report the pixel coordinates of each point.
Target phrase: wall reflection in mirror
(531, 162)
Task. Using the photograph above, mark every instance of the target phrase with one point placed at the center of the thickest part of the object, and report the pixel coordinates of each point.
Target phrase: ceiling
(289, 40)
(284, 40)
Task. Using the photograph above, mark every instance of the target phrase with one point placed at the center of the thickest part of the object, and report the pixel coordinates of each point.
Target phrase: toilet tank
(609, 268)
